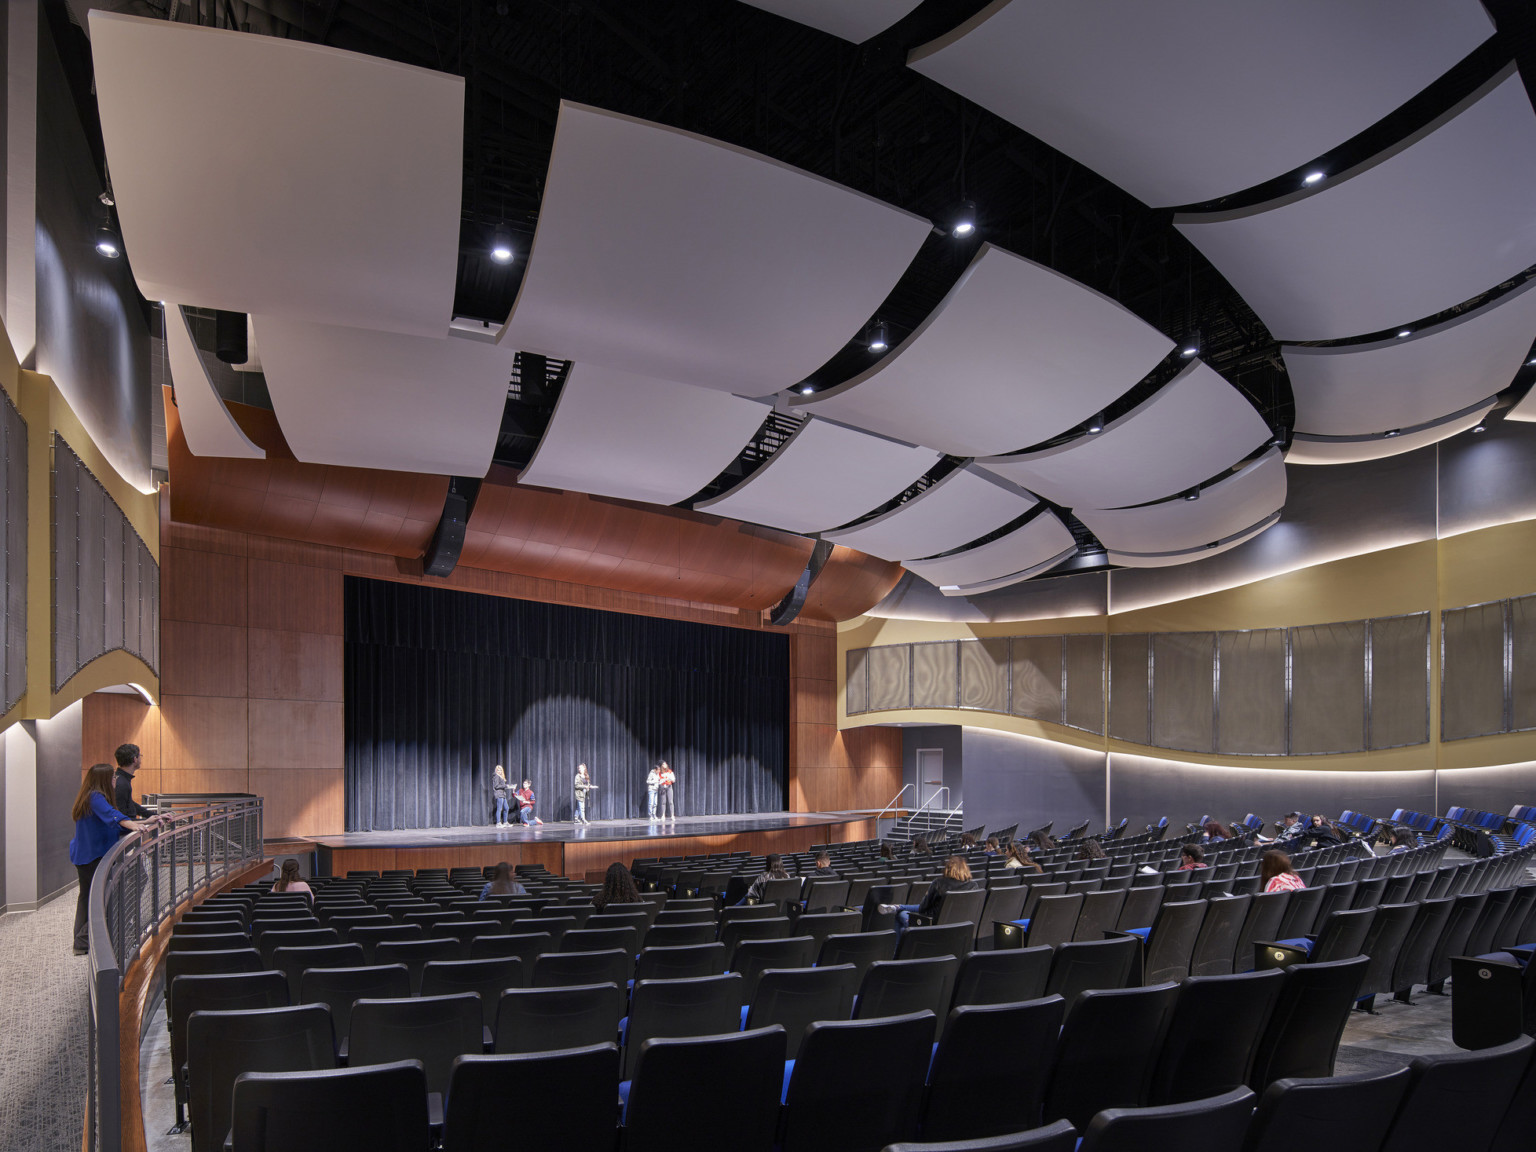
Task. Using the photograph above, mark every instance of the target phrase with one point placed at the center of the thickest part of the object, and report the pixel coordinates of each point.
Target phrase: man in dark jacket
(127, 756)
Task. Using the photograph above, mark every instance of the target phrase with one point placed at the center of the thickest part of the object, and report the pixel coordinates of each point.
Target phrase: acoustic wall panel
(1251, 692)
(1184, 101)
(350, 217)
(1361, 389)
(1183, 690)
(1522, 669)
(890, 678)
(1328, 688)
(1193, 428)
(984, 674)
(682, 258)
(857, 681)
(1035, 669)
(1130, 687)
(1023, 354)
(1084, 657)
(824, 475)
(13, 561)
(855, 20)
(935, 675)
(1472, 671)
(1402, 237)
(1035, 546)
(638, 438)
(963, 506)
(205, 422)
(1399, 680)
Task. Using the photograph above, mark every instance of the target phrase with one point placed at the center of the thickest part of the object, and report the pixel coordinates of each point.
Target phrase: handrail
(944, 788)
(894, 798)
(145, 880)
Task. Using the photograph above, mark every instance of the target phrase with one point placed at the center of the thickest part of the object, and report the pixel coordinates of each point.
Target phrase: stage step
(935, 823)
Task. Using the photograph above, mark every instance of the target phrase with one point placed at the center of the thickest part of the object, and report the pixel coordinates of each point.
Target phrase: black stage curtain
(441, 686)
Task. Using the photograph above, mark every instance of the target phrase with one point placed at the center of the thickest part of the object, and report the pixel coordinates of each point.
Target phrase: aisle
(42, 1030)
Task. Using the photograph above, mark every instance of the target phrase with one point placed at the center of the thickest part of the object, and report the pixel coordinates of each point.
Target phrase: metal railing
(892, 804)
(138, 886)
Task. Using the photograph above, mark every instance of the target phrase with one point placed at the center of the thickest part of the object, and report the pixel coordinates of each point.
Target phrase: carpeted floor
(42, 1030)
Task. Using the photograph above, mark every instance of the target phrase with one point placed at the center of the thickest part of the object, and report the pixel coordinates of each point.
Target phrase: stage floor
(598, 831)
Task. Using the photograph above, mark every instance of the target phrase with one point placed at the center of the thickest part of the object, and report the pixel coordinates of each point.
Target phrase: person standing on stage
(502, 791)
(668, 778)
(582, 786)
(652, 786)
(525, 802)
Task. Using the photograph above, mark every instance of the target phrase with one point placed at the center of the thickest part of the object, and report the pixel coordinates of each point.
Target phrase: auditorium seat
(1300, 913)
(1458, 1100)
(1302, 1036)
(1100, 914)
(1053, 921)
(344, 923)
(381, 1108)
(225, 992)
(699, 1006)
(292, 961)
(1140, 907)
(626, 939)
(1212, 1035)
(732, 932)
(754, 957)
(739, 1076)
(795, 998)
(1057, 1137)
(527, 947)
(820, 925)
(557, 1099)
(680, 962)
(1003, 906)
(1223, 923)
(1354, 1111)
(1003, 976)
(414, 954)
(1510, 930)
(465, 931)
(1217, 1124)
(435, 1030)
(1382, 944)
(339, 988)
(1107, 1051)
(556, 923)
(224, 925)
(1266, 910)
(1489, 920)
(222, 1045)
(825, 895)
(680, 917)
(861, 949)
(857, 1085)
(486, 977)
(1170, 943)
(559, 969)
(1085, 964)
(1519, 1121)
(901, 987)
(218, 963)
(936, 940)
(371, 937)
(1453, 939)
(550, 1019)
(209, 942)
(679, 935)
(974, 1091)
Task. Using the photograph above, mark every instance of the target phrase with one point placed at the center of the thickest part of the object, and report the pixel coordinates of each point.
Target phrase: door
(930, 777)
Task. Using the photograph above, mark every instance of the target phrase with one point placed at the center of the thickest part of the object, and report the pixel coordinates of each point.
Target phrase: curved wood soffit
(368, 509)
(595, 540)
(850, 584)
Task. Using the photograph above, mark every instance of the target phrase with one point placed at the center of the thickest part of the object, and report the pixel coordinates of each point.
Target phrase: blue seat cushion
(1142, 932)
(745, 1008)
(624, 1100)
(1300, 943)
(1024, 924)
(789, 1071)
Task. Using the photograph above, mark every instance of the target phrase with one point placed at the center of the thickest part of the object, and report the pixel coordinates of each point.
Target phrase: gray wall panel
(58, 779)
(1400, 680)
(1522, 627)
(984, 674)
(1183, 690)
(1036, 672)
(890, 680)
(935, 675)
(1488, 478)
(1472, 671)
(1251, 708)
(1487, 789)
(1328, 688)
(1085, 682)
(946, 738)
(1129, 688)
(857, 681)
(13, 554)
(1016, 778)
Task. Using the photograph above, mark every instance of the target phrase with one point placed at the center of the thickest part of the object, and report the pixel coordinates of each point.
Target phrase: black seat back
(487, 978)
(901, 987)
(526, 946)
(223, 992)
(1418, 946)
(1005, 976)
(1223, 923)
(754, 957)
(1458, 1099)
(680, 963)
(414, 954)
(1217, 1125)
(1342, 934)
(338, 988)
(1302, 1037)
(1453, 939)
(971, 1093)
(1355, 1111)
(1140, 907)
(371, 936)
(700, 1006)
(796, 998)
(1383, 943)
(561, 969)
(1300, 913)
(1213, 1033)
(732, 932)
(382, 1108)
(745, 1071)
(1489, 920)
(1100, 914)
(1086, 964)
(680, 935)
(217, 963)
(1107, 1051)
(564, 1099)
(857, 1084)
(433, 1029)
(936, 940)
(1265, 912)
(549, 1019)
(292, 962)
(1171, 943)
(861, 949)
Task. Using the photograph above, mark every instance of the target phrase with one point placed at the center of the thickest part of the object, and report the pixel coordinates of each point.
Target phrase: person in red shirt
(525, 802)
(668, 804)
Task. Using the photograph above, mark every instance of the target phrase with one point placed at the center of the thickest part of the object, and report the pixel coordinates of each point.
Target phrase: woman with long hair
(1091, 850)
(1017, 856)
(501, 883)
(289, 880)
(619, 887)
(956, 878)
(1215, 830)
(920, 847)
(98, 825)
(1043, 840)
(501, 791)
(773, 869)
(1276, 873)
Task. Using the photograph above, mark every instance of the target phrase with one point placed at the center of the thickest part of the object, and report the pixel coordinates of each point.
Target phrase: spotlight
(1096, 425)
(107, 242)
(1481, 428)
(1394, 432)
(879, 339)
(1312, 178)
(807, 389)
(501, 246)
(1192, 494)
(962, 221)
(1191, 347)
(106, 198)
(1404, 332)
(1531, 361)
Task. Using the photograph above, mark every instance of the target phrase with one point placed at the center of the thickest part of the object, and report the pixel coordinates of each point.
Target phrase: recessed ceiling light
(1394, 432)
(1192, 494)
(1312, 178)
(1404, 332)
(962, 221)
(807, 389)
(501, 246)
(1096, 425)
(1481, 428)
(879, 339)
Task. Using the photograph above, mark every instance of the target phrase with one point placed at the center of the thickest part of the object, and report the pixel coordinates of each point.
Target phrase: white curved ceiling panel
(207, 425)
(1169, 559)
(1183, 101)
(1014, 355)
(234, 191)
(1305, 450)
(671, 255)
(825, 475)
(855, 20)
(1444, 219)
(1225, 508)
(1035, 546)
(1399, 383)
(639, 438)
(1190, 430)
(963, 506)
(1525, 411)
(382, 400)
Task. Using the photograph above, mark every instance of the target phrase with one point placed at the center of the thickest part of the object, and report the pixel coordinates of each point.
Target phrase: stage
(580, 850)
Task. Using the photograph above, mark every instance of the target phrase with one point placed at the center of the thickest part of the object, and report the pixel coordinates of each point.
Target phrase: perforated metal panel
(1399, 680)
(935, 675)
(1084, 655)
(1250, 705)
(1130, 688)
(1183, 690)
(984, 674)
(1328, 688)
(858, 681)
(890, 680)
(1522, 652)
(1035, 669)
(13, 564)
(1472, 671)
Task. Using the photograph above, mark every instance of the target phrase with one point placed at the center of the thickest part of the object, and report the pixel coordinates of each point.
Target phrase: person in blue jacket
(98, 825)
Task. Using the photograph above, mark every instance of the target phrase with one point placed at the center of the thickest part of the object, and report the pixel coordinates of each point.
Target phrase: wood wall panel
(295, 665)
(295, 598)
(296, 734)
(298, 798)
(203, 587)
(203, 659)
(108, 719)
(202, 733)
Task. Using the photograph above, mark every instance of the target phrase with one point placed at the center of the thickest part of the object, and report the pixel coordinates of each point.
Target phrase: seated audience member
(1090, 850)
(1043, 840)
(967, 840)
(824, 866)
(501, 883)
(1402, 841)
(886, 853)
(1192, 857)
(773, 870)
(1291, 825)
(956, 878)
(619, 887)
(1214, 830)
(1018, 856)
(920, 847)
(290, 880)
(1276, 873)
(992, 847)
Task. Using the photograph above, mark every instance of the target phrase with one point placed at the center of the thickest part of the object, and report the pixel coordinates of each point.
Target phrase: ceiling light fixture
(1394, 432)
(107, 242)
(962, 221)
(1192, 494)
(501, 246)
(1404, 332)
(1481, 428)
(879, 338)
(1096, 425)
(1191, 347)
(807, 389)
(1312, 178)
